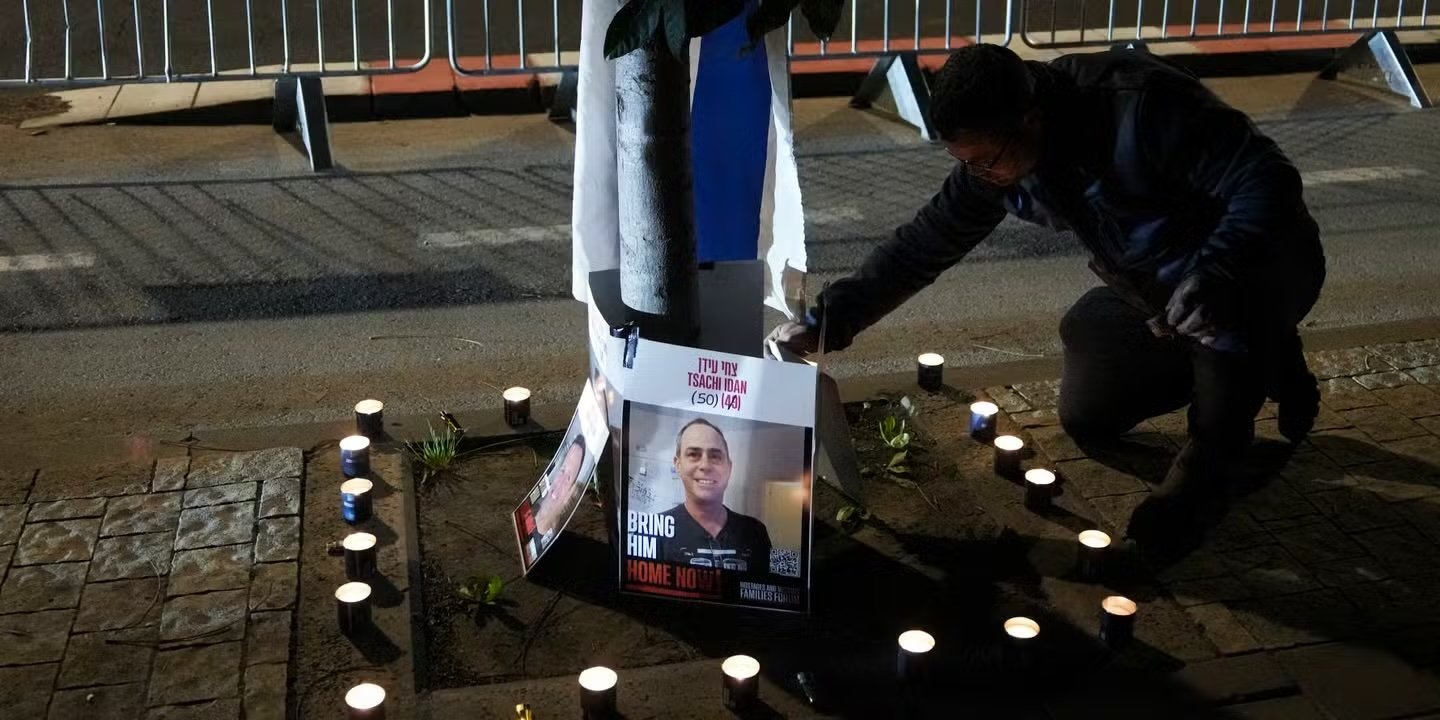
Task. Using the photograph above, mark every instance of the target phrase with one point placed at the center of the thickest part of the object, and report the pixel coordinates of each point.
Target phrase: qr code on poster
(784, 561)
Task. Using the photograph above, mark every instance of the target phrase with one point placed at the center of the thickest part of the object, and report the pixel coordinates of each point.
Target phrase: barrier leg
(562, 108)
(895, 84)
(1378, 58)
(300, 106)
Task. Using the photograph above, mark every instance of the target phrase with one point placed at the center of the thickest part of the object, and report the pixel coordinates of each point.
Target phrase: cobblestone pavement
(1315, 596)
(150, 591)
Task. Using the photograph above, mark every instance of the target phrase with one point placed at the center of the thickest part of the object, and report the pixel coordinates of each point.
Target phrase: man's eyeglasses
(985, 168)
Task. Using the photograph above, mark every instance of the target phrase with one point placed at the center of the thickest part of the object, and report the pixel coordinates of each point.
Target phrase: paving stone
(274, 586)
(1046, 417)
(1356, 510)
(1414, 401)
(131, 556)
(155, 512)
(265, 692)
(1342, 394)
(66, 509)
(247, 466)
(221, 494)
(1406, 355)
(1353, 682)
(1398, 480)
(1115, 510)
(113, 702)
(1056, 444)
(216, 525)
(1222, 629)
(267, 637)
(1317, 543)
(95, 481)
(1041, 394)
(1384, 380)
(1347, 446)
(12, 519)
(1234, 679)
(1350, 571)
(1423, 515)
(219, 568)
(120, 604)
(1429, 375)
(170, 474)
(205, 618)
(1237, 531)
(1423, 450)
(1093, 479)
(1431, 425)
(1383, 423)
(107, 658)
(1328, 419)
(1296, 707)
(34, 638)
(1007, 399)
(1402, 550)
(15, 486)
(1397, 602)
(6, 552)
(1275, 500)
(25, 690)
(1198, 565)
(193, 674)
(1348, 362)
(1207, 590)
(1269, 571)
(280, 497)
(55, 542)
(279, 539)
(42, 587)
(227, 709)
(1304, 618)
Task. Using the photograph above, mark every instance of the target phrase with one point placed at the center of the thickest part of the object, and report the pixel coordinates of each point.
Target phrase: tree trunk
(658, 275)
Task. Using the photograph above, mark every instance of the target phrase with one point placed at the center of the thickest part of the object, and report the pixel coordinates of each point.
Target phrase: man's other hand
(1194, 310)
(796, 337)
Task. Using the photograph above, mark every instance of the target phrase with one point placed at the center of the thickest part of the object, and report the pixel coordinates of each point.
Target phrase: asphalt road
(364, 28)
(199, 277)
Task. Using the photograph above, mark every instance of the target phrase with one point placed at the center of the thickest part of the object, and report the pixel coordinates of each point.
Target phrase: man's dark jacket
(1153, 174)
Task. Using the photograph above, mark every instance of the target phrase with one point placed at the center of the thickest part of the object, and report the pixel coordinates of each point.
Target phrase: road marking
(496, 237)
(27, 263)
(1350, 175)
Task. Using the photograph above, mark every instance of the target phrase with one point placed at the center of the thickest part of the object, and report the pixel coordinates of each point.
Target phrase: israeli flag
(747, 190)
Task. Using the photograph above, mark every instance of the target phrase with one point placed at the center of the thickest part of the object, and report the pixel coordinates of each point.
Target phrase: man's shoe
(1298, 408)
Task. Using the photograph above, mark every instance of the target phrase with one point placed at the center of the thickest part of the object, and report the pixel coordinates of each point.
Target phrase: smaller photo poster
(543, 514)
(716, 478)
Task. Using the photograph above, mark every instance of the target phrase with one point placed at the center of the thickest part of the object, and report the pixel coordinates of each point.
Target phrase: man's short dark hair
(706, 423)
(981, 89)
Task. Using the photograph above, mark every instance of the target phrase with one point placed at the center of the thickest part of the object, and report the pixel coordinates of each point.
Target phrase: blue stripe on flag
(729, 128)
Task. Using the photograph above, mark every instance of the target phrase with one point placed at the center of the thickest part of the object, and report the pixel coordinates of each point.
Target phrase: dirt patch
(936, 561)
(17, 106)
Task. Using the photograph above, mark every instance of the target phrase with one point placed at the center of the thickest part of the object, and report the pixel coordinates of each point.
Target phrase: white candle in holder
(1039, 488)
(355, 456)
(370, 419)
(1117, 620)
(597, 693)
(352, 607)
(1090, 556)
(517, 406)
(910, 659)
(739, 682)
(930, 371)
(1008, 449)
(983, 415)
(1020, 635)
(359, 555)
(365, 701)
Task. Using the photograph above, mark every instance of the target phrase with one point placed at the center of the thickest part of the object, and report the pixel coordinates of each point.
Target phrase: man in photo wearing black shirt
(708, 534)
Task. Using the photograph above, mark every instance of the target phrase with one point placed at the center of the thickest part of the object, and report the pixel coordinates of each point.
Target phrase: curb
(438, 90)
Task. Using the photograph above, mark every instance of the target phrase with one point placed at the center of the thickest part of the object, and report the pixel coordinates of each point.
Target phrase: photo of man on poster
(706, 532)
(546, 516)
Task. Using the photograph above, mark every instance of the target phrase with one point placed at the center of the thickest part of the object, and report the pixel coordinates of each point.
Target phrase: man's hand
(796, 337)
(1194, 310)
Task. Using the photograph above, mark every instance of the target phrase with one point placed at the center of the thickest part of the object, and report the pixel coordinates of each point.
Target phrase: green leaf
(634, 25)
(703, 16)
(887, 426)
(845, 513)
(493, 587)
(770, 15)
(823, 16)
(673, 23)
(899, 469)
(902, 482)
(898, 458)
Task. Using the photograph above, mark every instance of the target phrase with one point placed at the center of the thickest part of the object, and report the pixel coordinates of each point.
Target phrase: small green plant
(435, 453)
(481, 590)
(897, 438)
(851, 517)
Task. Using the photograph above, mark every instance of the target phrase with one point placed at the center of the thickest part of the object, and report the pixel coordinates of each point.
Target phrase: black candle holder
(739, 682)
(359, 555)
(912, 657)
(930, 371)
(1021, 635)
(1117, 621)
(1039, 489)
(1090, 555)
(597, 693)
(352, 608)
(370, 419)
(1009, 455)
(517, 406)
(365, 701)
